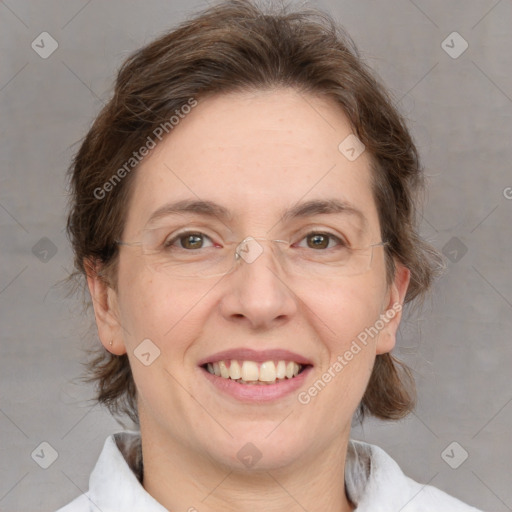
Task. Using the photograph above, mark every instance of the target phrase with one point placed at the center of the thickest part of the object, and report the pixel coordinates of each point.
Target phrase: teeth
(268, 371)
(234, 370)
(250, 371)
(290, 370)
(281, 370)
(224, 372)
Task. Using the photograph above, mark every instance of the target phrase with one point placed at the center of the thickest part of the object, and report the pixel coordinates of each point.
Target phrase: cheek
(151, 306)
(341, 314)
(345, 308)
(344, 315)
(170, 315)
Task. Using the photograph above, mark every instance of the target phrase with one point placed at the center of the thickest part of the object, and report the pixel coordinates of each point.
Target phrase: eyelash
(339, 241)
(169, 243)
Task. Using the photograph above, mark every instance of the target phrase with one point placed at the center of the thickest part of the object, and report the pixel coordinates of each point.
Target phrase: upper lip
(247, 354)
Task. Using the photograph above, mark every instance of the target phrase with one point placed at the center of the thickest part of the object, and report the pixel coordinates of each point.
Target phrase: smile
(255, 373)
(256, 376)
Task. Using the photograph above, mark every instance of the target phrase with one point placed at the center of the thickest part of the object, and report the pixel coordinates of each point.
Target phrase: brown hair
(237, 46)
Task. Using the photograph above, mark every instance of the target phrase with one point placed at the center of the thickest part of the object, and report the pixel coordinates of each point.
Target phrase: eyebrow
(205, 208)
(212, 209)
(321, 207)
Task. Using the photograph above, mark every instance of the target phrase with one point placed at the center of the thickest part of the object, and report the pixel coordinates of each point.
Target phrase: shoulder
(376, 483)
(114, 483)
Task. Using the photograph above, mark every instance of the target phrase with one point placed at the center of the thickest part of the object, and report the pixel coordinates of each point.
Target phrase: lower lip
(257, 392)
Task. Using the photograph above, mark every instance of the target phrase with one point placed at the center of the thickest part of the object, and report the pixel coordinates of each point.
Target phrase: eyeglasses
(193, 254)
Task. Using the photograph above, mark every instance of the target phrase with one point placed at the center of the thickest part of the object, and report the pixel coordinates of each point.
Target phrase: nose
(256, 292)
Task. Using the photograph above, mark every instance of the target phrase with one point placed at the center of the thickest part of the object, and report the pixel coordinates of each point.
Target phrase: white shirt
(373, 480)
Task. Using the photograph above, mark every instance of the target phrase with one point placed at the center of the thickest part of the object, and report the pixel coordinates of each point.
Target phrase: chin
(254, 450)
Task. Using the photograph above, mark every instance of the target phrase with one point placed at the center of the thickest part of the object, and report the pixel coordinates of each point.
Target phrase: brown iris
(318, 241)
(192, 241)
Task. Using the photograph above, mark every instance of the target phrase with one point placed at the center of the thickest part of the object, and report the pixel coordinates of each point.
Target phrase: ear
(392, 310)
(104, 300)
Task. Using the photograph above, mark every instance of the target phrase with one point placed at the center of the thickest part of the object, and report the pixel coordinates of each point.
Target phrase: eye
(321, 241)
(189, 241)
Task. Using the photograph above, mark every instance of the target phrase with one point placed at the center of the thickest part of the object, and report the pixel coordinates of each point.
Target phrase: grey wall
(460, 110)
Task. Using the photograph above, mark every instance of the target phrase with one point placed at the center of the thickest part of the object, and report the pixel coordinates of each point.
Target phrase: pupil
(318, 241)
(192, 242)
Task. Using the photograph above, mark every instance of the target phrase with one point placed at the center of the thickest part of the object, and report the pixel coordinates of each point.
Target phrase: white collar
(373, 481)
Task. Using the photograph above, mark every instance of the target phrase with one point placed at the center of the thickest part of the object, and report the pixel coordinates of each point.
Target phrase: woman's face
(266, 165)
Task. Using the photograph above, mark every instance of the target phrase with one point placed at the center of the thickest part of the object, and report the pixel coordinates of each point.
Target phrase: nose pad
(248, 250)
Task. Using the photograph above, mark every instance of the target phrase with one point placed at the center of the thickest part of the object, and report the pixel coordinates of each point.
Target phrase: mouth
(255, 373)
(254, 376)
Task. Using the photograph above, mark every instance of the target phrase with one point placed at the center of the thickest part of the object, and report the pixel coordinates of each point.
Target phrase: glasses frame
(246, 240)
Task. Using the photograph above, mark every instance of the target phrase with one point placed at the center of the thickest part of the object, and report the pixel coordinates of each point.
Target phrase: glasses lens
(329, 264)
(193, 254)
(186, 254)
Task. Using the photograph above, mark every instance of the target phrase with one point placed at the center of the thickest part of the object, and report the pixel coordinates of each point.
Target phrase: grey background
(460, 111)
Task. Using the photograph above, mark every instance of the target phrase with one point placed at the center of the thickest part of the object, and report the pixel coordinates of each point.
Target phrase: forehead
(256, 154)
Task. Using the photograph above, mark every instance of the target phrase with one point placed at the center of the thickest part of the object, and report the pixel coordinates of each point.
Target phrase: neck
(182, 479)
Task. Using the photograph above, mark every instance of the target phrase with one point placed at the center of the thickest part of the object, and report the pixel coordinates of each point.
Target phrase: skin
(256, 154)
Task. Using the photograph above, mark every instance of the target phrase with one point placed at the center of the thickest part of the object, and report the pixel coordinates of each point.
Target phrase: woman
(243, 211)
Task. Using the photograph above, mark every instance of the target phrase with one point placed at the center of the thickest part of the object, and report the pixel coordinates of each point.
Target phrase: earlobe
(392, 313)
(104, 301)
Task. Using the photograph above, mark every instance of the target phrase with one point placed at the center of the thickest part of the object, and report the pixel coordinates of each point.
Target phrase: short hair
(238, 46)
